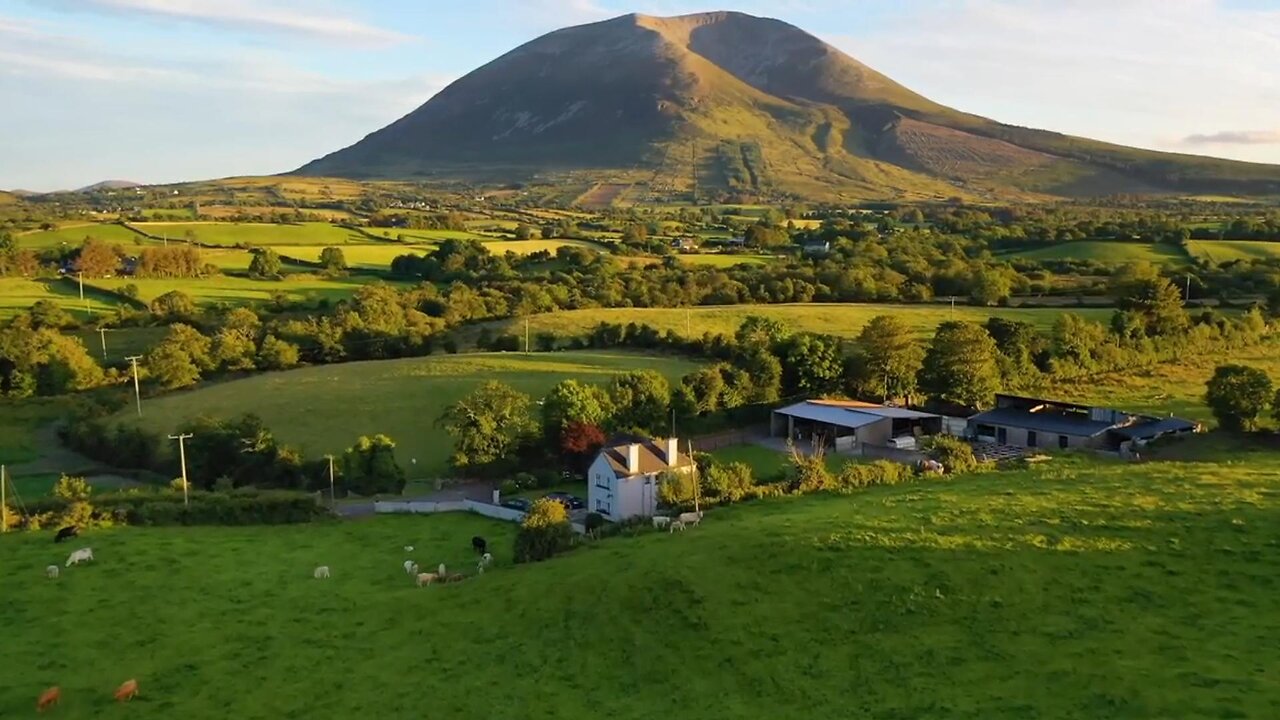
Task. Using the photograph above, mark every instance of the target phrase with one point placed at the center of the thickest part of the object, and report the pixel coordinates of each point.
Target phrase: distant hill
(740, 103)
(109, 185)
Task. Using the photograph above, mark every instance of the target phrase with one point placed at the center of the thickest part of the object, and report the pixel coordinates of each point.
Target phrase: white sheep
(426, 578)
(487, 559)
(321, 572)
(691, 518)
(674, 526)
(408, 548)
(410, 567)
(441, 571)
(661, 521)
(51, 572)
(80, 555)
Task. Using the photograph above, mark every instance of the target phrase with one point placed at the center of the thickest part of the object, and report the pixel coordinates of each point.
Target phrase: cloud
(255, 16)
(1235, 137)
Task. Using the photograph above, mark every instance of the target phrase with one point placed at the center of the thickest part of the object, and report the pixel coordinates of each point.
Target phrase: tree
(677, 489)
(729, 481)
(178, 359)
(67, 365)
(544, 532)
(579, 441)
(757, 332)
(573, 401)
(487, 425)
(233, 350)
(812, 365)
(46, 314)
(960, 365)
(266, 263)
(891, 356)
(765, 372)
(524, 232)
(277, 354)
(1238, 395)
(333, 260)
(97, 259)
(369, 467)
(640, 399)
(1140, 288)
(1077, 339)
(991, 285)
(173, 305)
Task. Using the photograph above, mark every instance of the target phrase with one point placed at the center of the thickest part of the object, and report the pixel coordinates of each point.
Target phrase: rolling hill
(747, 104)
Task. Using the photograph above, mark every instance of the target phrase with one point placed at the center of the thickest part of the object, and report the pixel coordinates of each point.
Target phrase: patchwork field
(1105, 251)
(243, 290)
(1220, 251)
(19, 294)
(528, 247)
(324, 409)
(374, 256)
(427, 237)
(724, 260)
(74, 234)
(255, 234)
(1132, 591)
(845, 320)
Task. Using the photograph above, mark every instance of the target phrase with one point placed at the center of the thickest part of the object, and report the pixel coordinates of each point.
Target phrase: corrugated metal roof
(1155, 428)
(897, 413)
(832, 415)
(1041, 422)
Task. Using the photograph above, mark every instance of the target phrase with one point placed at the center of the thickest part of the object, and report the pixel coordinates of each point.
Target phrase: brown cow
(49, 698)
(127, 690)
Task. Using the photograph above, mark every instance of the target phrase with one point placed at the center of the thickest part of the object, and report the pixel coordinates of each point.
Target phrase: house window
(1064, 441)
(602, 482)
(1002, 435)
(602, 507)
(1031, 438)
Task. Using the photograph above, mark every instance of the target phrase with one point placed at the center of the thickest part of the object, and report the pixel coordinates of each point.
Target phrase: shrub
(728, 482)
(594, 521)
(809, 473)
(72, 488)
(955, 455)
(881, 472)
(677, 489)
(544, 533)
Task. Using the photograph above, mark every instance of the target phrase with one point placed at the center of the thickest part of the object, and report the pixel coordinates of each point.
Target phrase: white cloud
(253, 15)
(1235, 137)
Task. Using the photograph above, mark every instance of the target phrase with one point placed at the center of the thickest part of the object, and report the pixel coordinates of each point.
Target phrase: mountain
(109, 185)
(740, 103)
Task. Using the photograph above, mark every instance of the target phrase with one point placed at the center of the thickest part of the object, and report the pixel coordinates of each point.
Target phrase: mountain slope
(740, 103)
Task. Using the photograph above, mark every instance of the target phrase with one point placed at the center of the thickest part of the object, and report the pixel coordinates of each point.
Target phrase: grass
(1107, 251)
(21, 422)
(1176, 388)
(360, 256)
(243, 290)
(1220, 251)
(768, 464)
(724, 260)
(845, 320)
(324, 409)
(423, 236)
(256, 234)
(1132, 591)
(73, 234)
(528, 247)
(19, 294)
(121, 342)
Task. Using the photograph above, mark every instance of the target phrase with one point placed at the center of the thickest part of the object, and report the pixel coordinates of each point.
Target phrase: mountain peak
(743, 104)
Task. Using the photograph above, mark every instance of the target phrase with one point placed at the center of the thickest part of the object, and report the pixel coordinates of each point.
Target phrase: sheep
(674, 526)
(480, 568)
(426, 578)
(479, 545)
(127, 690)
(49, 698)
(51, 572)
(411, 567)
(321, 572)
(691, 518)
(66, 532)
(408, 548)
(82, 554)
(486, 559)
(441, 571)
(661, 521)
(456, 577)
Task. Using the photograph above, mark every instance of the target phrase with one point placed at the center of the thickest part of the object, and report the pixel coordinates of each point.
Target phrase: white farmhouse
(622, 481)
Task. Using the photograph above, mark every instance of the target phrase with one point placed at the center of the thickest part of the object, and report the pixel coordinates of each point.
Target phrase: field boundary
(427, 507)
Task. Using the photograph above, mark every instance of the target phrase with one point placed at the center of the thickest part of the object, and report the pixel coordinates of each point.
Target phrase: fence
(490, 510)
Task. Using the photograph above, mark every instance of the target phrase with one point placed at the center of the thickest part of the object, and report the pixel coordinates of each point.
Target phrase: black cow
(66, 532)
(479, 545)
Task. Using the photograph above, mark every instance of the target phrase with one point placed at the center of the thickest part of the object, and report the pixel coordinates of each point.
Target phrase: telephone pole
(137, 391)
(4, 506)
(526, 334)
(332, 501)
(182, 457)
(1188, 297)
(102, 332)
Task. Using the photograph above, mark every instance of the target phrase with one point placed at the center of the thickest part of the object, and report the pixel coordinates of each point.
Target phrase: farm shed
(847, 425)
(1040, 423)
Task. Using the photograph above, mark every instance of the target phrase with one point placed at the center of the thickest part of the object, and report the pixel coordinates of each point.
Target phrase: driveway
(480, 492)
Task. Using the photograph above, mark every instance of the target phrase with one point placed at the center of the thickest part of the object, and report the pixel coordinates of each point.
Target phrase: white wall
(496, 512)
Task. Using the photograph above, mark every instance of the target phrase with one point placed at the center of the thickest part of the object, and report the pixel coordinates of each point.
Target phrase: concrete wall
(1017, 437)
(882, 452)
(877, 433)
(496, 512)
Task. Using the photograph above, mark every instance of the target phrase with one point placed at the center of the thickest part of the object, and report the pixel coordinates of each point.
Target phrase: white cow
(79, 556)
(411, 567)
(321, 572)
(692, 518)
(51, 571)
(661, 521)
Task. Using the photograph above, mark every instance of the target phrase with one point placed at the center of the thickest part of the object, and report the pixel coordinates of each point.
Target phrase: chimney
(673, 451)
(633, 458)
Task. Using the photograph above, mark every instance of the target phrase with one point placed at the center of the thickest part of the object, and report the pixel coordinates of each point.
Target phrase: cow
(321, 572)
(49, 698)
(127, 690)
(479, 545)
(80, 555)
(69, 531)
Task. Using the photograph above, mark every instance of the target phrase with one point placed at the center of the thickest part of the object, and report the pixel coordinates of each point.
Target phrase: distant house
(1039, 423)
(816, 248)
(848, 425)
(684, 244)
(736, 242)
(622, 481)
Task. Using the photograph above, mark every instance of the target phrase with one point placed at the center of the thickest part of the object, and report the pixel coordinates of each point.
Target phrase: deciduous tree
(1238, 396)
(960, 365)
(488, 425)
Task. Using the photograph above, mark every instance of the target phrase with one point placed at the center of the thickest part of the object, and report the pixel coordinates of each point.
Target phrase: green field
(242, 290)
(375, 256)
(528, 247)
(1078, 589)
(324, 409)
(74, 234)
(121, 342)
(255, 234)
(1220, 251)
(845, 320)
(1105, 251)
(767, 464)
(427, 237)
(724, 260)
(18, 294)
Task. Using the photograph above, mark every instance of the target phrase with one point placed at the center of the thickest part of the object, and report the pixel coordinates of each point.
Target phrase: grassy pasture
(121, 342)
(428, 237)
(1220, 251)
(845, 320)
(74, 234)
(255, 234)
(528, 247)
(324, 409)
(242, 290)
(1132, 591)
(18, 294)
(377, 256)
(715, 260)
(1105, 251)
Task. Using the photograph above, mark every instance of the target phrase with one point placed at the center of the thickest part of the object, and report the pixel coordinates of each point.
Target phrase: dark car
(521, 504)
(569, 501)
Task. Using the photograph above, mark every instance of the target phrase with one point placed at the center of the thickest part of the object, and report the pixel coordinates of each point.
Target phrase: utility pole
(102, 332)
(332, 501)
(953, 307)
(137, 391)
(526, 334)
(688, 323)
(80, 277)
(4, 506)
(182, 456)
(1188, 297)
(693, 165)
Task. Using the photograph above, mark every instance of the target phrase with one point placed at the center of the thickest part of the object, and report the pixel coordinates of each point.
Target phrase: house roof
(830, 414)
(653, 456)
(1048, 422)
(883, 411)
(1153, 428)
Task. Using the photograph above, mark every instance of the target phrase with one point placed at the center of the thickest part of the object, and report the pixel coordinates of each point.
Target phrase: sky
(161, 91)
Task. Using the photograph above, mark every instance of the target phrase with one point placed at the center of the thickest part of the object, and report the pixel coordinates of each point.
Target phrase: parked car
(521, 504)
(570, 502)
